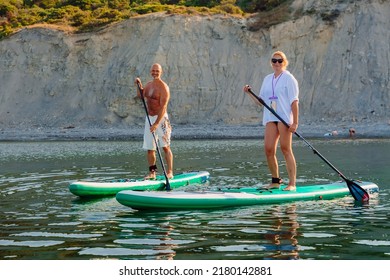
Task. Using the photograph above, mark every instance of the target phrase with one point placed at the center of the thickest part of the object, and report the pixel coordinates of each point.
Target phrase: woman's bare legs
(271, 137)
(286, 148)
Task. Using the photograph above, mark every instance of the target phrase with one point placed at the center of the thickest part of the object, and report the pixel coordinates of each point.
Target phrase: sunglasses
(274, 60)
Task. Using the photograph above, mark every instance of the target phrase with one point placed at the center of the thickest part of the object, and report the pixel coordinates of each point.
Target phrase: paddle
(356, 191)
(167, 185)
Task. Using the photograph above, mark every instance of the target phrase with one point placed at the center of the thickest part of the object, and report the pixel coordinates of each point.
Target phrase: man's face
(155, 71)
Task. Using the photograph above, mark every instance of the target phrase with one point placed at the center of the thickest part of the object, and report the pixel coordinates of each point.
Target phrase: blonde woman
(280, 91)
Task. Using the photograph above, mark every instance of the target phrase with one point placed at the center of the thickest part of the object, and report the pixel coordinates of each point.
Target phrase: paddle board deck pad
(179, 200)
(96, 189)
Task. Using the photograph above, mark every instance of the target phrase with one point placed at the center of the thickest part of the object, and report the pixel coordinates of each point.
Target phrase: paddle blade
(168, 186)
(358, 193)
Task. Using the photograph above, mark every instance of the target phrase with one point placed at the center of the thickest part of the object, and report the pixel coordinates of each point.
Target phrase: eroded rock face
(339, 55)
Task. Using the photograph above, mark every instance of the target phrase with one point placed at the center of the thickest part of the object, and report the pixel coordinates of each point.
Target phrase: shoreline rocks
(191, 132)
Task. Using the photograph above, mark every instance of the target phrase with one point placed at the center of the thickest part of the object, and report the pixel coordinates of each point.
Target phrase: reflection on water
(41, 219)
(283, 233)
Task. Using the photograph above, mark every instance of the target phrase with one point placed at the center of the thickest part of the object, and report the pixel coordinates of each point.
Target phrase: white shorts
(162, 133)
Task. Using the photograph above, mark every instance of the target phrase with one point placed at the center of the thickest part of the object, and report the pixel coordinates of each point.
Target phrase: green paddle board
(176, 200)
(96, 189)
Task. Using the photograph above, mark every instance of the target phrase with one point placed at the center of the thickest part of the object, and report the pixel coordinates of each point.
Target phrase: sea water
(41, 220)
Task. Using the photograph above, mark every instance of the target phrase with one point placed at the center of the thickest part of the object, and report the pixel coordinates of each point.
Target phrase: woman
(280, 91)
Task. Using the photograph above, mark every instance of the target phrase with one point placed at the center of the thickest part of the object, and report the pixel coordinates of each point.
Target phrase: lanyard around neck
(274, 85)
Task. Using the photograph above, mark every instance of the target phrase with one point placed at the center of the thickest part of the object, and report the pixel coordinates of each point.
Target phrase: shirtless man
(156, 94)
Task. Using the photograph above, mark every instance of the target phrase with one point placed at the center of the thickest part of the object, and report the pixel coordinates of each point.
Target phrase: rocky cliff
(339, 53)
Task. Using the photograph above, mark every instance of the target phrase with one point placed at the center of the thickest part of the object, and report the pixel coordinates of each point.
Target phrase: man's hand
(138, 81)
(153, 128)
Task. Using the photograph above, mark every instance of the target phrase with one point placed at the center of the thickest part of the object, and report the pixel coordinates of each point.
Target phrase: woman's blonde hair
(283, 55)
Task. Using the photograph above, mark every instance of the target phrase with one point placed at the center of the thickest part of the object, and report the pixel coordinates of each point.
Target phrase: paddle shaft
(297, 134)
(167, 185)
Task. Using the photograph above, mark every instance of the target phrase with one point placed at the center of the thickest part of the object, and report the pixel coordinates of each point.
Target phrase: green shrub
(89, 14)
(107, 13)
(5, 9)
(150, 8)
(228, 8)
(32, 16)
(5, 30)
(80, 18)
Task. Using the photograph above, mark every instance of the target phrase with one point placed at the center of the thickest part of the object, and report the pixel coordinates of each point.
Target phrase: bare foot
(273, 186)
(290, 188)
(170, 175)
(150, 176)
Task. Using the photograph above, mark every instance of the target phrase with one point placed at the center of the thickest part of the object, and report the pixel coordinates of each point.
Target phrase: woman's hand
(246, 88)
(293, 127)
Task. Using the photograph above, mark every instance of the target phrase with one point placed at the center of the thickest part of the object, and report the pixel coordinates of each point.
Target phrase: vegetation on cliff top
(87, 15)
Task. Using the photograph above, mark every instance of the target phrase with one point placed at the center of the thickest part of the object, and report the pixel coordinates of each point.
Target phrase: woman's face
(277, 63)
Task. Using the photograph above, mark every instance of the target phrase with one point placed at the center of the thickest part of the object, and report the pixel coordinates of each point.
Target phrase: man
(156, 94)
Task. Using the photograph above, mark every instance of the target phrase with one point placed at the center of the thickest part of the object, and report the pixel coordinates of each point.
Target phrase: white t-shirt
(282, 91)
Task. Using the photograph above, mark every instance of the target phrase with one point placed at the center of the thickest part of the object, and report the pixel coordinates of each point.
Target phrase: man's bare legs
(169, 161)
(151, 156)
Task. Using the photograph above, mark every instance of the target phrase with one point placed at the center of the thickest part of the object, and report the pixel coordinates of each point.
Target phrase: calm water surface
(41, 220)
